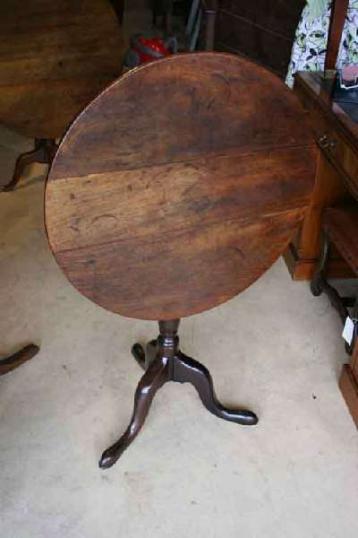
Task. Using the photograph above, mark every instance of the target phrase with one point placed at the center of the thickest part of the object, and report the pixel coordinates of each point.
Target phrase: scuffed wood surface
(179, 185)
(55, 57)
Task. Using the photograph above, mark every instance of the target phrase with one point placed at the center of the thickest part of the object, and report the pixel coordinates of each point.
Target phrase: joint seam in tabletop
(178, 231)
(226, 153)
(175, 240)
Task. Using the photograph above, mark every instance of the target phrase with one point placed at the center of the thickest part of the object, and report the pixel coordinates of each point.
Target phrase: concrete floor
(274, 348)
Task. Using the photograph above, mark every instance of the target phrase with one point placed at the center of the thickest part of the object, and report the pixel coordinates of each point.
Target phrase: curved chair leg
(189, 370)
(152, 380)
(18, 358)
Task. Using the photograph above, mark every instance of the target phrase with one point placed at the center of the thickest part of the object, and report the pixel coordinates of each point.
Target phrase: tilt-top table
(55, 57)
(173, 191)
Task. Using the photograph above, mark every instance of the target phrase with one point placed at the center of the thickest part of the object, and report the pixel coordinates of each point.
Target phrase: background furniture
(341, 229)
(263, 30)
(14, 361)
(340, 225)
(172, 192)
(348, 384)
(199, 17)
(336, 135)
(165, 8)
(119, 6)
(201, 23)
(54, 58)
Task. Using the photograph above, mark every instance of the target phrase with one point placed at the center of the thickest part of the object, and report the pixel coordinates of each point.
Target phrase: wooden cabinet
(262, 30)
(336, 181)
(336, 176)
(348, 384)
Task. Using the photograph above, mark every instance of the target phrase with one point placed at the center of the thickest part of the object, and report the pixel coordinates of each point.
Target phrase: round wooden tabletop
(179, 185)
(55, 57)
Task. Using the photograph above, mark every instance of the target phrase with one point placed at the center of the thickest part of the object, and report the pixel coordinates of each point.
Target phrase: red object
(150, 49)
(144, 50)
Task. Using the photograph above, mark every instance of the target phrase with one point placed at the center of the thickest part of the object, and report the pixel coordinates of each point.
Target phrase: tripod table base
(163, 361)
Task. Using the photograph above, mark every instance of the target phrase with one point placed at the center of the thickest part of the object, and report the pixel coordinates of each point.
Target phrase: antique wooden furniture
(340, 226)
(336, 134)
(173, 191)
(348, 384)
(54, 58)
(14, 361)
(263, 30)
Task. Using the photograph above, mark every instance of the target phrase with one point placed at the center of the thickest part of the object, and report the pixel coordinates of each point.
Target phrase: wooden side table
(55, 57)
(173, 191)
(336, 135)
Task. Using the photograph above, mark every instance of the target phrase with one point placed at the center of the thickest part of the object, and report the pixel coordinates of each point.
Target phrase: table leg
(152, 380)
(43, 152)
(188, 370)
(163, 361)
(15, 360)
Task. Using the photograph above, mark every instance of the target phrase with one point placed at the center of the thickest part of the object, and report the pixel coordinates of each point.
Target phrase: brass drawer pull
(325, 143)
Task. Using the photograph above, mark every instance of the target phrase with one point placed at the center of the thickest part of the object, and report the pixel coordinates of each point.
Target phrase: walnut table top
(179, 185)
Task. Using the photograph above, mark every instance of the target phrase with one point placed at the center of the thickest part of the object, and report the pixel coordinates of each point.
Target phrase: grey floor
(274, 348)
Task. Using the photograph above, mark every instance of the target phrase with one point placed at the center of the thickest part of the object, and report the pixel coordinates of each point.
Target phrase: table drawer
(331, 142)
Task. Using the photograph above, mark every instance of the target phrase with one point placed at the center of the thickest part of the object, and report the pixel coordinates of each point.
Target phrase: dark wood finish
(341, 229)
(319, 283)
(348, 384)
(172, 192)
(17, 359)
(338, 15)
(336, 136)
(341, 225)
(43, 153)
(192, 172)
(54, 58)
(164, 362)
(118, 6)
(263, 30)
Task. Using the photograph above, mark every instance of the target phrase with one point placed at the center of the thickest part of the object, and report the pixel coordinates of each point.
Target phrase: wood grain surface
(55, 57)
(336, 135)
(179, 185)
(262, 30)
